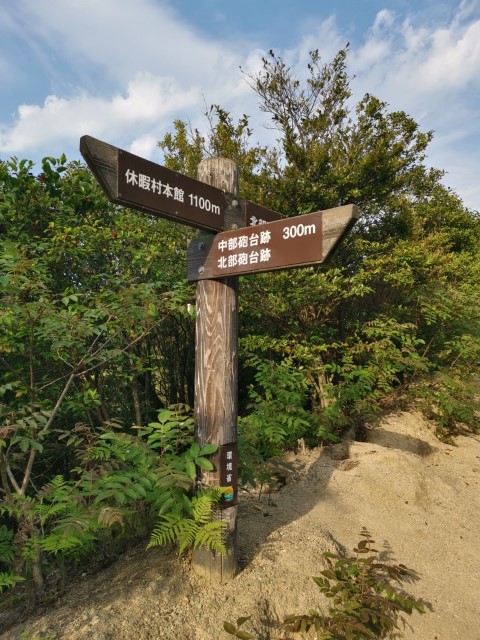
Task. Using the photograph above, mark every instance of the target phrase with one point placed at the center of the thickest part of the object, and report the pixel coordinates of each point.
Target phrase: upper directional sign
(292, 242)
(140, 184)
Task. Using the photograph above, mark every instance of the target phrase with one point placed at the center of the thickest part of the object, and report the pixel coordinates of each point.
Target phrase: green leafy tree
(89, 297)
(391, 307)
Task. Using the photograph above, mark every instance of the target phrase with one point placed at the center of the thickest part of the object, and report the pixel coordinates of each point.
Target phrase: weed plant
(366, 599)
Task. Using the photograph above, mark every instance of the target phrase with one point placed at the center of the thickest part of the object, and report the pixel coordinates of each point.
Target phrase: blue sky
(123, 70)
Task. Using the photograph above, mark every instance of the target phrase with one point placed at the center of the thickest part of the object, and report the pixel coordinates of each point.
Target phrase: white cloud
(144, 146)
(453, 59)
(128, 69)
(121, 38)
(147, 100)
(431, 71)
(148, 66)
(412, 63)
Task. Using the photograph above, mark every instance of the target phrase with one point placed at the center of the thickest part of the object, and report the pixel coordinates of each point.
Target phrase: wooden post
(216, 383)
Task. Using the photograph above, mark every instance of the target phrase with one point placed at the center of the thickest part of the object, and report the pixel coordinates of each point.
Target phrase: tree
(89, 295)
(360, 326)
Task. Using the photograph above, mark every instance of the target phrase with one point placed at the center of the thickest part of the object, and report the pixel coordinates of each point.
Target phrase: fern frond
(57, 488)
(194, 526)
(109, 516)
(188, 530)
(211, 535)
(202, 506)
(56, 542)
(77, 523)
(7, 580)
(166, 532)
(47, 511)
(6, 544)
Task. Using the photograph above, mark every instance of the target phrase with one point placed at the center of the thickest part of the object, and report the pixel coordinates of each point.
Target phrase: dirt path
(418, 497)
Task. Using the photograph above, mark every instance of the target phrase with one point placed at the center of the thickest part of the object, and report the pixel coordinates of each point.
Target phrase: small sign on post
(225, 461)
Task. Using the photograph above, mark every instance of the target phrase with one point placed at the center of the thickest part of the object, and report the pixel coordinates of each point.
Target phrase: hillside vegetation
(97, 322)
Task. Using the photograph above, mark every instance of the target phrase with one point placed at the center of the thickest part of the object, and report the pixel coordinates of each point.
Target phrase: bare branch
(33, 452)
(5, 471)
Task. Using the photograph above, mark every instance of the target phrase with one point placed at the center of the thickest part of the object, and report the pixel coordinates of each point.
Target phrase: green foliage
(193, 525)
(121, 485)
(366, 596)
(33, 635)
(89, 296)
(235, 629)
(277, 417)
(97, 320)
(172, 431)
(8, 580)
(6, 544)
(401, 287)
(366, 602)
(451, 401)
(7, 550)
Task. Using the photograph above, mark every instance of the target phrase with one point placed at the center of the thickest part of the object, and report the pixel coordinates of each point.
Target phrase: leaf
(120, 497)
(204, 464)
(361, 627)
(194, 450)
(229, 627)
(208, 449)
(190, 469)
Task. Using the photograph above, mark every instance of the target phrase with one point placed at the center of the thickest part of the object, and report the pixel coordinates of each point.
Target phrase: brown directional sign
(140, 184)
(257, 215)
(292, 242)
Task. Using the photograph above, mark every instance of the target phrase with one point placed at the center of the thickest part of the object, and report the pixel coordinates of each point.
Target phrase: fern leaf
(7, 580)
(110, 516)
(188, 530)
(166, 532)
(202, 506)
(6, 544)
(211, 535)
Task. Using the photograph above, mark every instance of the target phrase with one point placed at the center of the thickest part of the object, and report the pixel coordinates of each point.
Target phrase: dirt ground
(419, 498)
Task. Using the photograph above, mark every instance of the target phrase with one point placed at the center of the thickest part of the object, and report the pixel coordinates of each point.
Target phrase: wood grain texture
(102, 160)
(216, 361)
(216, 383)
(336, 225)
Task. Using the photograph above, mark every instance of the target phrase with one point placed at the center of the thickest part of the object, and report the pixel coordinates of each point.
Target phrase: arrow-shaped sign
(137, 183)
(293, 242)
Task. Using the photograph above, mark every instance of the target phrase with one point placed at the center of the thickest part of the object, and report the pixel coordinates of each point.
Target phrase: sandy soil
(418, 497)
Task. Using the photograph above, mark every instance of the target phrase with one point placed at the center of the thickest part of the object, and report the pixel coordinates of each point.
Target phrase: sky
(124, 70)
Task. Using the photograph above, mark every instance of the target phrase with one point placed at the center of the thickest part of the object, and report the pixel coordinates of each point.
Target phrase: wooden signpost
(236, 237)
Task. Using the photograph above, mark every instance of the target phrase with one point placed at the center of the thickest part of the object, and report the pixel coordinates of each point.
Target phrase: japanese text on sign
(168, 193)
(225, 461)
(156, 186)
(280, 244)
(249, 248)
(148, 183)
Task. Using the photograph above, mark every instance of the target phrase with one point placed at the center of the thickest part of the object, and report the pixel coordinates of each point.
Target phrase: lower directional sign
(283, 244)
